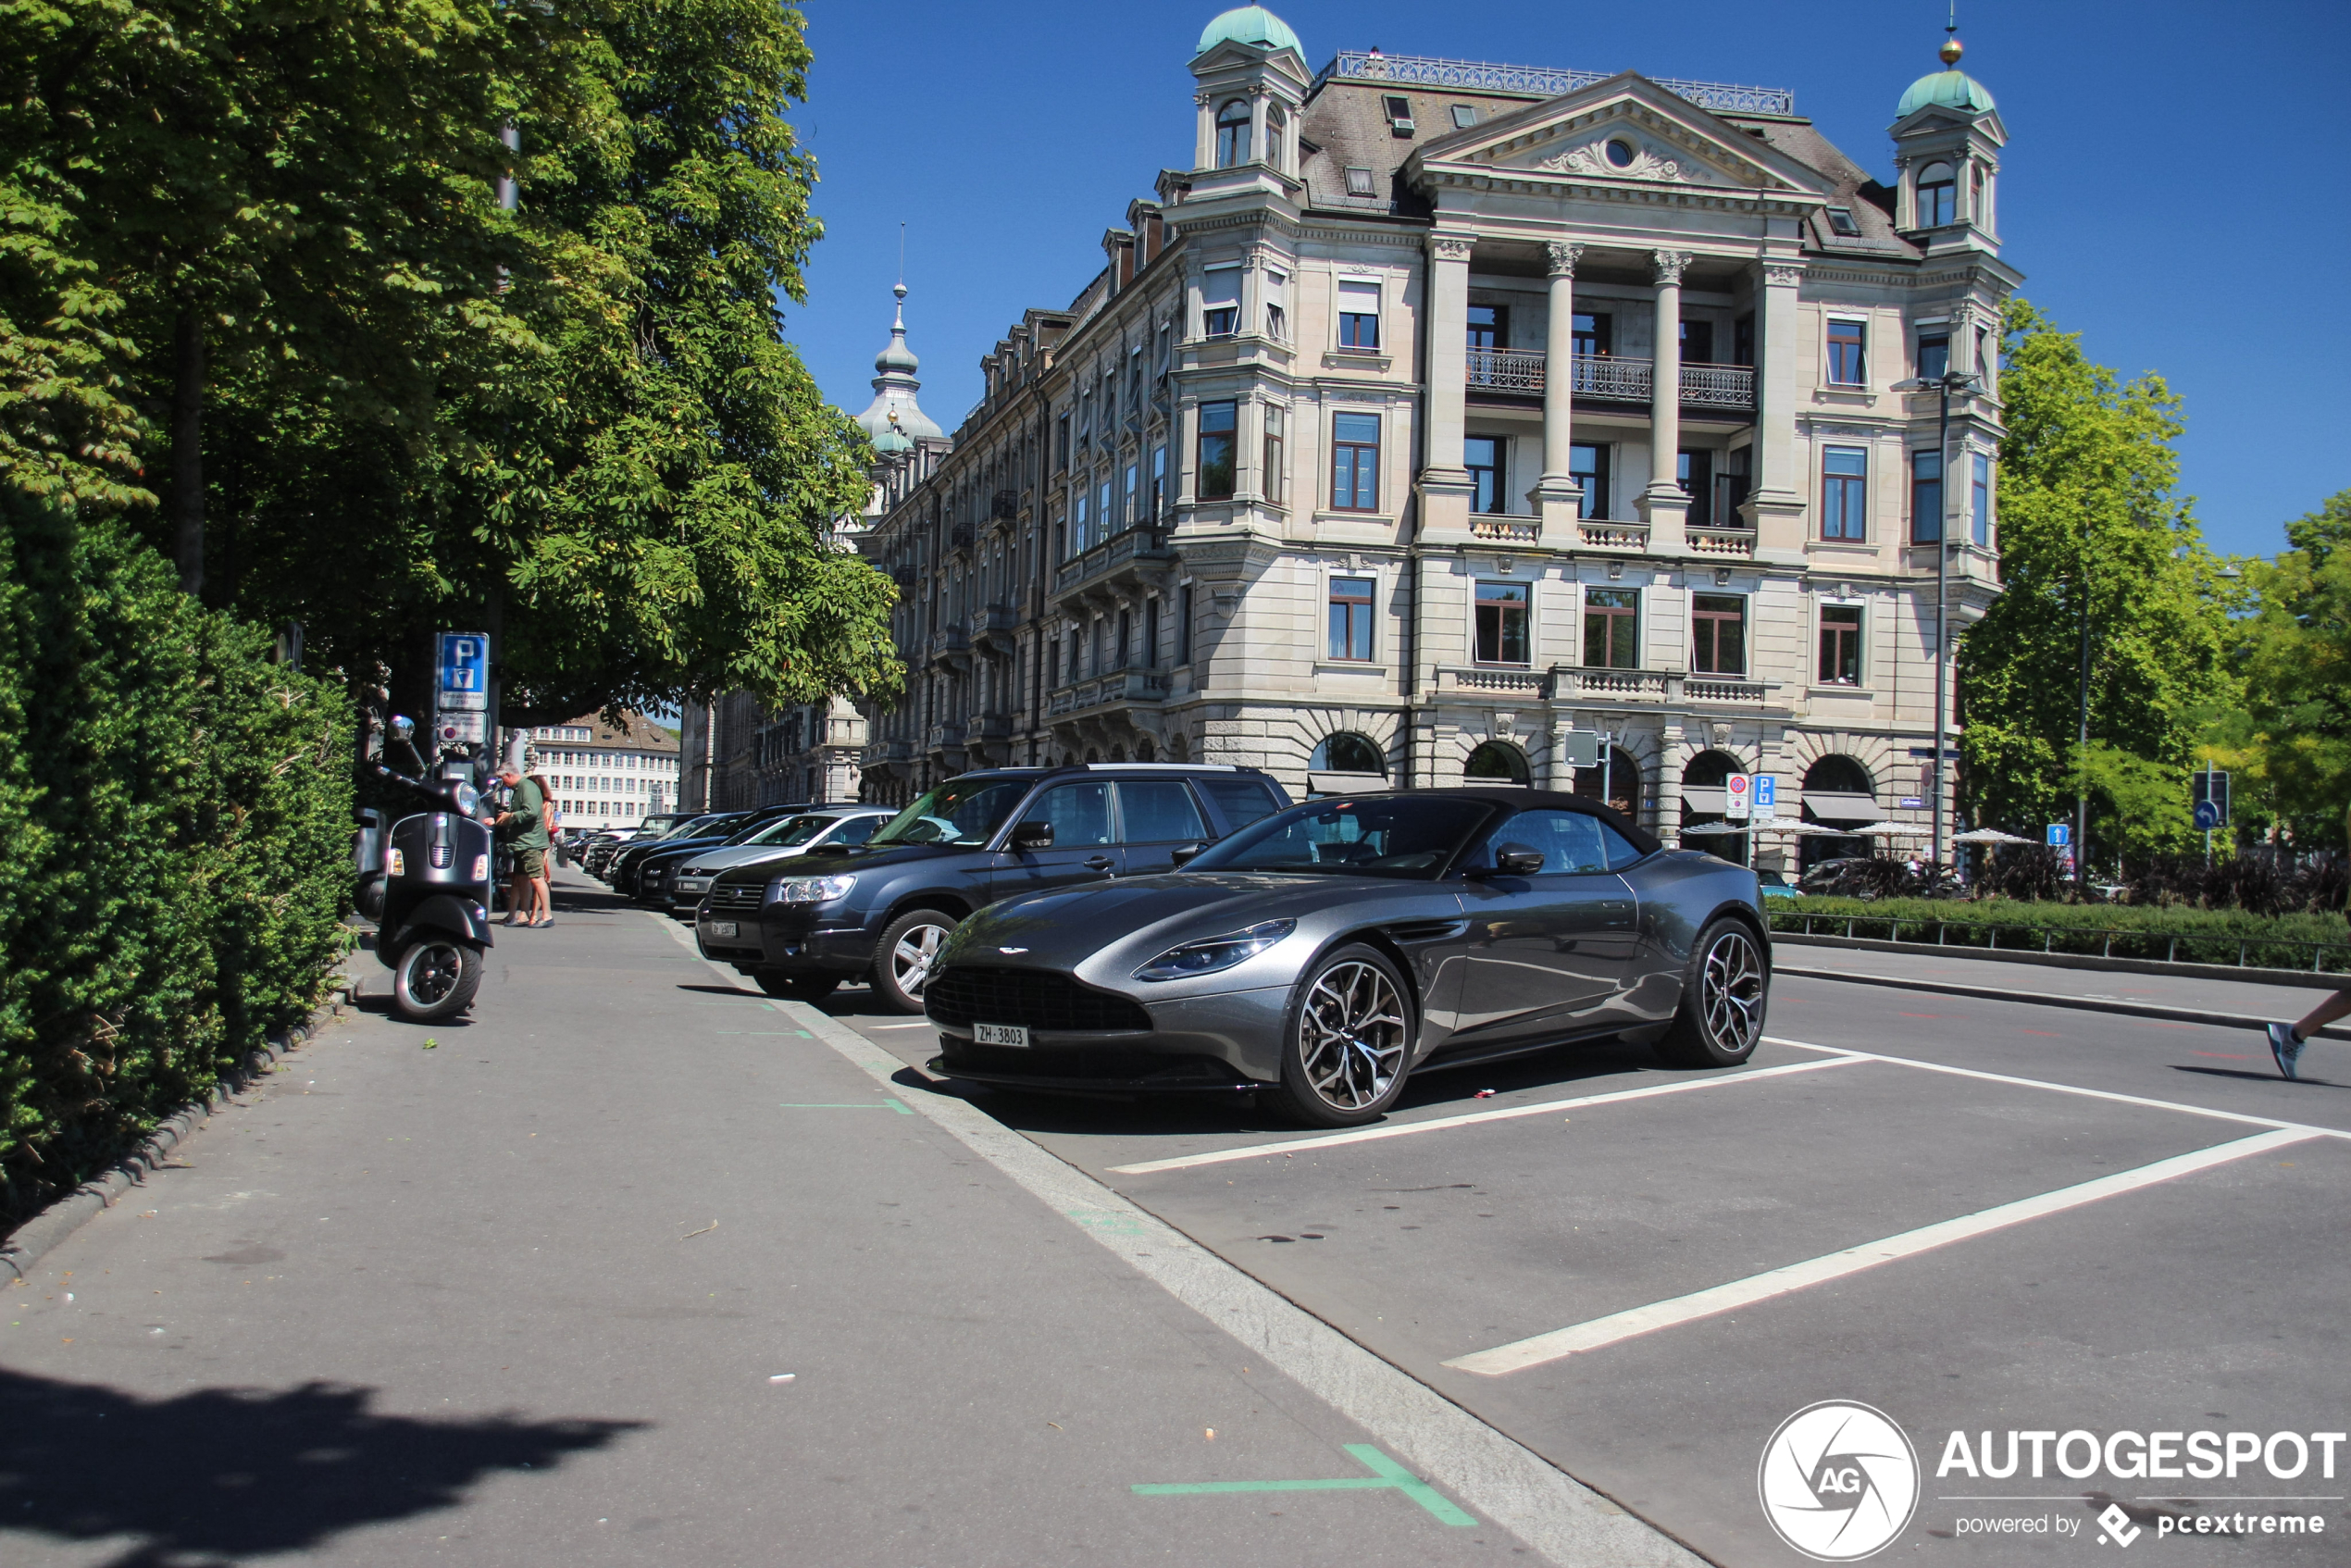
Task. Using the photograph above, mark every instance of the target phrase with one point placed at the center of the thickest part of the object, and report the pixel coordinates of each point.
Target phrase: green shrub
(2121, 930)
(176, 810)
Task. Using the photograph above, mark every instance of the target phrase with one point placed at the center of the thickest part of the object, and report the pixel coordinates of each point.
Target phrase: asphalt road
(465, 1303)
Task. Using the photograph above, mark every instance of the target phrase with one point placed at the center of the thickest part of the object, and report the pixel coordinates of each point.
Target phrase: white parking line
(1398, 1129)
(1563, 1342)
(2065, 1088)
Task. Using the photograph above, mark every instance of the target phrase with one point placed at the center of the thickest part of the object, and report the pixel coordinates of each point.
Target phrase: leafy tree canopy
(2289, 742)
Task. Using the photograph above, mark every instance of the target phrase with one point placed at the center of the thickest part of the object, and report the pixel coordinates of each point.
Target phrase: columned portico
(1664, 505)
(1556, 498)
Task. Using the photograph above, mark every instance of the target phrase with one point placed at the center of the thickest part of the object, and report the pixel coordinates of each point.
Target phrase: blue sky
(2174, 187)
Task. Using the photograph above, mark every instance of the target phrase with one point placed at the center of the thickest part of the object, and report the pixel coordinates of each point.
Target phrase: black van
(880, 909)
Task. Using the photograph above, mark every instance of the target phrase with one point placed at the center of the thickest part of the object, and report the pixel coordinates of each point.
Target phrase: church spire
(894, 419)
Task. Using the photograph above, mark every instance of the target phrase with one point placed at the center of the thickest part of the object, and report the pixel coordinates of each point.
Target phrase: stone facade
(602, 777)
(1294, 481)
(742, 754)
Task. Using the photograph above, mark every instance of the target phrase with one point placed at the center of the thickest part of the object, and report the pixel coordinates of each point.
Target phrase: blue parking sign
(464, 670)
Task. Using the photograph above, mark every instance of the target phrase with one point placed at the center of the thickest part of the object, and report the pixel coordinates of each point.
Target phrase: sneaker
(2285, 1049)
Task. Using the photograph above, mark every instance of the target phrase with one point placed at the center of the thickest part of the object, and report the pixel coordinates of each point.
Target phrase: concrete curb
(32, 1240)
(2047, 999)
(2309, 980)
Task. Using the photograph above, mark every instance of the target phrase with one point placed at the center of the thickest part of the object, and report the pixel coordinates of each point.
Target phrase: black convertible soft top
(1517, 799)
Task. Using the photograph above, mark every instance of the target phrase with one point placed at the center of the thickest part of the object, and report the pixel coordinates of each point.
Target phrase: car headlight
(1211, 953)
(810, 889)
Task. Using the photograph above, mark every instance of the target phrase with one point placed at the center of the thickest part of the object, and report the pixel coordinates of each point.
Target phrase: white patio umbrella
(1890, 830)
(1987, 836)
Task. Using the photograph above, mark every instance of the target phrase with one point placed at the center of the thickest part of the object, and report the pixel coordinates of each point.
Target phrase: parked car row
(1125, 927)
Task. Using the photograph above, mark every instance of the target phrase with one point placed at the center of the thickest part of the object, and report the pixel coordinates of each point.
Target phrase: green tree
(2289, 741)
(2095, 545)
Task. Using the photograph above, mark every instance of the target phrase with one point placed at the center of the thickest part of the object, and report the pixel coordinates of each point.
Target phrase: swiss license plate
(1001, 1034)
(722, 927)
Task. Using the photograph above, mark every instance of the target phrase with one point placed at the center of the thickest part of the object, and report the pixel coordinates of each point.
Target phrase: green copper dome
(1250, 24)
(1952, 89)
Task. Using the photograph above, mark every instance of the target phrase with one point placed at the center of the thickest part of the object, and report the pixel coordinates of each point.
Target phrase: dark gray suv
(881, 910)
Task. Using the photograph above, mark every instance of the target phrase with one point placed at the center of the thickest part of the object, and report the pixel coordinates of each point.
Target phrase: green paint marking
(901, 1109)
(860, 1105)
(764, 1034)
(1386, 1475)
(804, 1034)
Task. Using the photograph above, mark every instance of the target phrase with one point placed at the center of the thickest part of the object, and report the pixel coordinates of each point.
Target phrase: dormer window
(1232, 134)
(1359, 182)
(1841, 222)
(1464, 116)
(1937, 196)
(1400, 114)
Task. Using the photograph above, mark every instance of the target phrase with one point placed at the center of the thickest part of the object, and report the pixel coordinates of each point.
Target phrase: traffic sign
(1583, 747)
(1911, 802)
(2061, 834)
(1767, 798)
(463, 678)
(2209, 816)
(2208, 790)
(1738, 799)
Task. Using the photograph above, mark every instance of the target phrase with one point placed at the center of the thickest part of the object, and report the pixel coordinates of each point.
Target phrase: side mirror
(1033, 836)
(1182, 855)
(402, 727)
(1512, 860)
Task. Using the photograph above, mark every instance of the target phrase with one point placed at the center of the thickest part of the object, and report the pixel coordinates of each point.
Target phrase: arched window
(1497, 762)
(1838, 792)
(1275, 123)
(1839, 774)
(1936, 196)
(1704, 805)
(1346, 752)
(1616, 780)
(1232, 133)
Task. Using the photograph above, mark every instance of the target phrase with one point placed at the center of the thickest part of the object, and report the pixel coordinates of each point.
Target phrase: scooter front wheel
(436, 979)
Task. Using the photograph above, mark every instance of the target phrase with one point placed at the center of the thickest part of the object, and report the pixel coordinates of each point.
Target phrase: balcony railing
(1126, 553)
(992, 726)
(1490, 681)
(1122, 686)
(1506, 531)
(1536, 81)
(951, 645)
(1727, 689)
(1588, 680)
(1602, 533)
(996, 625)
(1603, 378)
(946, 737)
(1722, 542)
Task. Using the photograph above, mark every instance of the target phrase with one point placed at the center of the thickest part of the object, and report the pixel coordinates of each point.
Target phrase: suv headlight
(810, 890)
(1211, 953)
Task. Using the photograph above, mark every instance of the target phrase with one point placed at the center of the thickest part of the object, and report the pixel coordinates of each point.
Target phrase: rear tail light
(395, 864)
(481, 868)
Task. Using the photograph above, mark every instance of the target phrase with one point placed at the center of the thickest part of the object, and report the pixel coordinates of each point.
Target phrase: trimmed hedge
(176, 813)
(2186, 934)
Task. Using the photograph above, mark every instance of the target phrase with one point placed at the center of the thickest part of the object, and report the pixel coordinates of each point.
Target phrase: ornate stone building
(1443, 413)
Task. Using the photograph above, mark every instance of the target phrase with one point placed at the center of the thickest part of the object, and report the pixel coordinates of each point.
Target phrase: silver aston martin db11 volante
(1324, 953)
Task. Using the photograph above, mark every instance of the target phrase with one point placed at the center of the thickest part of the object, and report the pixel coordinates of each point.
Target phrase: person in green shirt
(523, 826)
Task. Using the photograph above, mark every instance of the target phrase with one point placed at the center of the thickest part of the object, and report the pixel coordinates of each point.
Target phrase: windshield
(1363, 835)
(696, 826)
(959, 811)
(785, 830)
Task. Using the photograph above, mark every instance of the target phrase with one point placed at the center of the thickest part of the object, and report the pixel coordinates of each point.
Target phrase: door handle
(1098, 863)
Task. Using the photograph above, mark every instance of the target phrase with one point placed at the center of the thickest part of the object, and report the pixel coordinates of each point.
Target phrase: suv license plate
(722, 927)
(1001, 1034)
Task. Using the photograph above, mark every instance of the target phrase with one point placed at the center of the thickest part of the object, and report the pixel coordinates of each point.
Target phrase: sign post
(2061, 835)
(2209, 793)
(461, 690)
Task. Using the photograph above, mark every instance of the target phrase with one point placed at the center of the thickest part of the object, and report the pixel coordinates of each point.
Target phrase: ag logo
(1838, 1481)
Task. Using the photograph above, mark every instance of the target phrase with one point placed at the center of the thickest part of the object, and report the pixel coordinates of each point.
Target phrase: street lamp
(1944, 385)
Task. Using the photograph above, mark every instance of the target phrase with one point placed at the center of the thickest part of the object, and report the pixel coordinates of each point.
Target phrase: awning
(1707, 798)
(1833, 805)
(1348, 783)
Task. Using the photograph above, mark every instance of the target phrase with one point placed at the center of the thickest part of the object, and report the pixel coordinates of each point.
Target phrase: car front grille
(738, 895)
(1105, 1064)
(1035, 999)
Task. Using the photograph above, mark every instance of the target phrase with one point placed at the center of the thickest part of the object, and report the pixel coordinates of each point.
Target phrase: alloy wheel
(910, 960)
(435, 973)
(1351, 1035)
(1731, 991)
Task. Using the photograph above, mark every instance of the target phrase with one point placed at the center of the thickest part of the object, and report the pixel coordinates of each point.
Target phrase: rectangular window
(1589, 467)
(1695, 472)
(1464, 116)
(1980, 500)
(1482, 455)
(1926, 497)
(1612, 627)
(1355, 462)
(1848, 365)
(1845, 483)
(1358, 314)
(1278, 306)
(1105, 513)
(1719, 628)
(1214, 464)
(1350, 619)
(1840, 645)
(1841, 222)
(1053, 657)
(1502, 623)
(1085, 540)
(1934, 356)
(1730, 488)
(1184, 624)
(1158, 482)
(1358, 182)
(1061, 430)
(1274, 481)
(1490, 325)
(1698, 342)
(1150, 632)
(1220, 302)
(1131, 504)
(1594, 334)
(1125, 646)
(1400, 114)
(1743, 342)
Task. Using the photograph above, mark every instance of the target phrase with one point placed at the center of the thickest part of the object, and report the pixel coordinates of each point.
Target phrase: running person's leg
(2286, 1040)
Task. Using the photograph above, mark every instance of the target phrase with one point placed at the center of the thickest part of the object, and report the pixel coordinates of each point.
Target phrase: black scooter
(435, 921)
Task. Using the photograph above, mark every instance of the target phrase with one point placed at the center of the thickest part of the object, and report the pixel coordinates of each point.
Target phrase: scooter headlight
(468, 799)
(395, 864)
(481, 868)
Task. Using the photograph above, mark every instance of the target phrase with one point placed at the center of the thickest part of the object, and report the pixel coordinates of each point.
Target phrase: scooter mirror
(402, 727)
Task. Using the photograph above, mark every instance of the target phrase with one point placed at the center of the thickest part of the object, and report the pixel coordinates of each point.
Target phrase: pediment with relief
(1636, 131)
